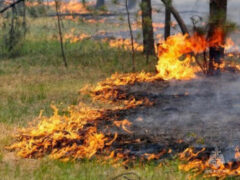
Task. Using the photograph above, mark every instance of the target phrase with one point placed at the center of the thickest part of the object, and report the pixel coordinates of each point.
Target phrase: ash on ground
(201, 112)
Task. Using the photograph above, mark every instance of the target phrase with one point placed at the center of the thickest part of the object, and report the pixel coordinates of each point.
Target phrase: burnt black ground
(204, 112)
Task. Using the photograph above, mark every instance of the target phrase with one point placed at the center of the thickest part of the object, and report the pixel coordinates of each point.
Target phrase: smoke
(203, 112)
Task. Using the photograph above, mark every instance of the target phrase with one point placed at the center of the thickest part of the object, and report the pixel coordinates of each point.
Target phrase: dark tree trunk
(177, 16)
(131, 34)
(100, 3)
(167, 30)
(147, 28)
(218, 16)
(24, 18)
(60, 33)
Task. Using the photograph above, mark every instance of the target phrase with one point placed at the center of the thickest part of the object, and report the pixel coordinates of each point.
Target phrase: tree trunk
(147, 28)
(177, 16)
(167, 30)
(60, 33)
(131, 34)
(100, 3)
(218, 16)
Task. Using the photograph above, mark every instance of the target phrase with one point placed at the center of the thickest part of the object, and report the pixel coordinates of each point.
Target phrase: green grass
(86, 170)
(34, 78)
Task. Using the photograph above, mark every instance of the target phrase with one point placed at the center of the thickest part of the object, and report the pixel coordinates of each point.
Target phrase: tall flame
(169, 65)
(177, 54)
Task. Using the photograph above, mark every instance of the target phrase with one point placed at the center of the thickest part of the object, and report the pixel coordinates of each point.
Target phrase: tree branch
(60, 33)
(131, 34)
(10, 6)
(176, 16)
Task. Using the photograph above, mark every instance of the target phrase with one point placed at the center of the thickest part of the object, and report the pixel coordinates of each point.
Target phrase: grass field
(34, 78)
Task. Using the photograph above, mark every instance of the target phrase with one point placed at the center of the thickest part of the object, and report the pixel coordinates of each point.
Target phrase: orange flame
(73, 6)
(73, 38)
(214, 167)
(64, 137)
(125, 44)
(123, 124)
(177, 54)
(169, 65)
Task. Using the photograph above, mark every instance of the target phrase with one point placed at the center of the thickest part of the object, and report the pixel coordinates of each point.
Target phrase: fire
(175, 62)
(72, 6)
(111, 89)
(73, 38)
(177, 55)
(76, 135)
(209, 166)
(123, 124)
(63, 137)
(126, 44)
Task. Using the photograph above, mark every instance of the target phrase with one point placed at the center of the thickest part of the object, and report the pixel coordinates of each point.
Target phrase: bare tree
(57, 4)
(131, 34)
(10, 6)
(177, 16)
(100, 3)
(167, 29)
(147, 28)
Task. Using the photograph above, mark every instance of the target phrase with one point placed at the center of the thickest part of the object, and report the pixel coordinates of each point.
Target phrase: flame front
(63, 137)
(76, 135)
(209, 166)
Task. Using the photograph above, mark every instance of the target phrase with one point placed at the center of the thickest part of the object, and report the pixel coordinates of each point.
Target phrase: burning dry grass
(72, 6)
(76, 135)
(64, 137)
(72, 38)
(124, 44)
(110, 90)
(211, 165)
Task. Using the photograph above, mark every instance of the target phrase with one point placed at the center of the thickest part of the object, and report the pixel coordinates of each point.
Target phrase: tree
(147, 28)
(100, 3)
(176, 15)
(131, 34)
(218, 16)
(167, 29)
